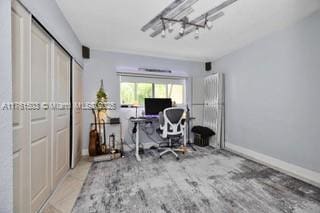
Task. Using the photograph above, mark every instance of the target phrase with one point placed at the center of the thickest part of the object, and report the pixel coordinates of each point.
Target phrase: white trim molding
(85, 152)
(298, 172)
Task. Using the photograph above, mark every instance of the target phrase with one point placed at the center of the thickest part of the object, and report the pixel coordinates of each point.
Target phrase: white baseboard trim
(298, 172)
(147, 145)
(85, 152)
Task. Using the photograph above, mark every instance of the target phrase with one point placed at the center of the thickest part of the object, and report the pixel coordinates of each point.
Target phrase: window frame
(153, 80)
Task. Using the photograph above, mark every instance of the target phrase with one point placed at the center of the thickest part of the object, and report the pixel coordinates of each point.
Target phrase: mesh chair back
(174, 115)
(173, 121)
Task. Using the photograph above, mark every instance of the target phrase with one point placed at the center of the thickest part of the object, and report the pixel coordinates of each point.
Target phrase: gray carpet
(204, 181)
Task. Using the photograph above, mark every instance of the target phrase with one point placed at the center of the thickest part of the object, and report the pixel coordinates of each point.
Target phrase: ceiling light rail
(184, 23)
(209, 25)
(177, 12)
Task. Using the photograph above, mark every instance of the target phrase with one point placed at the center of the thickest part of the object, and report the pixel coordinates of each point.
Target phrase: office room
(159, 106)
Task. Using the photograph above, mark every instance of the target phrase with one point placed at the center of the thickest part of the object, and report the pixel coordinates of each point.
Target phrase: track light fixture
(181, 31)
(184, 24)
(170, 27)
(209, 25)
(196, 35)
(163, 34)
(177, 12)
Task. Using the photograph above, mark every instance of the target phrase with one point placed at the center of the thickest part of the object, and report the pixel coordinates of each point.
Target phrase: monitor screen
(155, 105)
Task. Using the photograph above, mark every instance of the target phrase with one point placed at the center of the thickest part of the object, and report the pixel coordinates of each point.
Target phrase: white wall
(50, 15)
(103, 65)
(272, 95)
(6, 172)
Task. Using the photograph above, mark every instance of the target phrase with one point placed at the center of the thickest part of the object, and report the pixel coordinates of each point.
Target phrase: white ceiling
(114, 25)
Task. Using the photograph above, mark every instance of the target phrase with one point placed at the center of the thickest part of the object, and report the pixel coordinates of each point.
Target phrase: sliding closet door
(41, 143)
(77, 115)
(40, 121)
(21, 27)
(61, 118)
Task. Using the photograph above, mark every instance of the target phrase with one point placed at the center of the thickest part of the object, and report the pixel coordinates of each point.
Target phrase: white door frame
(77, 95)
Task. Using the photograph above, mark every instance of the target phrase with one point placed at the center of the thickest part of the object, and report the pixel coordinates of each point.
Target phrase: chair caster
(160, 156)
(177, 158)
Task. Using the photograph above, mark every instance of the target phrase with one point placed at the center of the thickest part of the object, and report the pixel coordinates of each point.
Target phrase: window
(144, 90)
(174, 92)
(133, 90)
(160, 90)
(127, 92)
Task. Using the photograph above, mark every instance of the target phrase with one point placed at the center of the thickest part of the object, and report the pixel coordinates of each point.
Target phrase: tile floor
(67, 192)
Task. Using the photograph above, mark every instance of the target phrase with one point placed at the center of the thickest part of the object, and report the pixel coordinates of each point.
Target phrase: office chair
(171, 127)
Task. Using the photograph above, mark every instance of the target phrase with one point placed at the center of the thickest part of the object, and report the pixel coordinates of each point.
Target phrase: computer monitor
(155, 105)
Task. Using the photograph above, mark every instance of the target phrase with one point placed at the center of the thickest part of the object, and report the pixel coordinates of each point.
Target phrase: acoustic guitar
(99, 142)
(94, 138)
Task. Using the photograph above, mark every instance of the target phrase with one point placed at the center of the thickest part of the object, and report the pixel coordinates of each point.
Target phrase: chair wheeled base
(168, 150)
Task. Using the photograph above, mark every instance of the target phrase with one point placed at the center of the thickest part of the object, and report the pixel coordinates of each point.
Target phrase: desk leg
(137, 142)
(185, 137)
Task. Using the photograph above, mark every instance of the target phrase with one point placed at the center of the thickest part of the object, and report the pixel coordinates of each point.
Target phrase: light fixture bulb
(209, 25)
(196, 35)
(181, 31)
(163, 33)
(170, 27)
